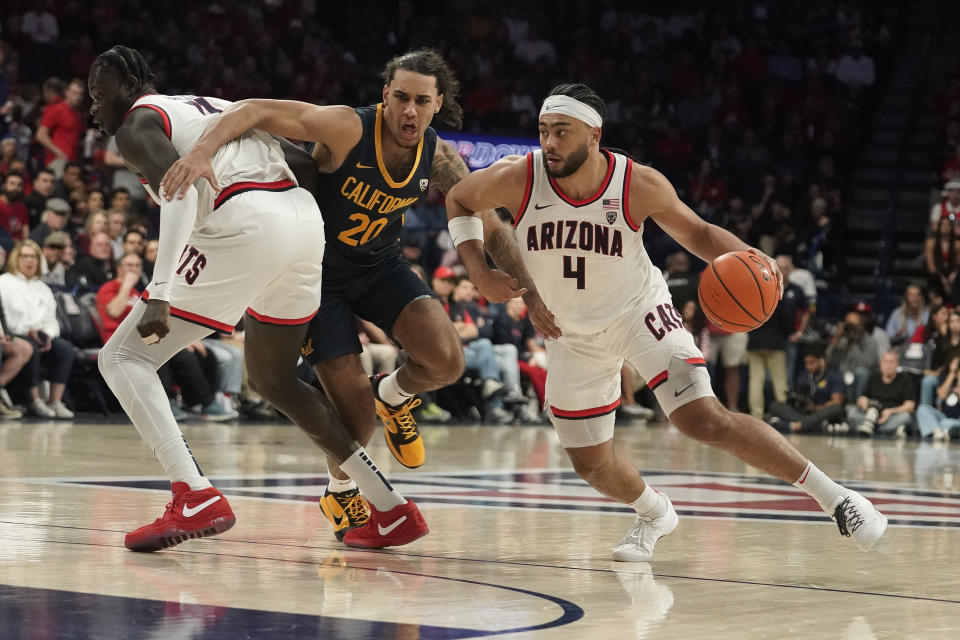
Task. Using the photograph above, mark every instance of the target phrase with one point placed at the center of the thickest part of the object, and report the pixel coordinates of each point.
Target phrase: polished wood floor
(519, 546)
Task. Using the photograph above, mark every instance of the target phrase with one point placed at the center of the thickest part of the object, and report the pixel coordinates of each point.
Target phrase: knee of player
(709, 426)
(449, 364)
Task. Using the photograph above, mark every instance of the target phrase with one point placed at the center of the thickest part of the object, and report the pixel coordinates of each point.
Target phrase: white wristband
(463, 228)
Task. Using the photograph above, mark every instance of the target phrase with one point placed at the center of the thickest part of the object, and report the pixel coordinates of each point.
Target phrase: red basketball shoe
(191, 514)
(401, 525)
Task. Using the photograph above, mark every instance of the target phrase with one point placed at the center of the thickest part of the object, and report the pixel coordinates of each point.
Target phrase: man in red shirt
(14, 216)
(115, 299)
(63, 124)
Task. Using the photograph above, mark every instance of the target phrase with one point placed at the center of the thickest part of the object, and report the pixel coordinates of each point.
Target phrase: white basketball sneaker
(856, 517)
(638, 544)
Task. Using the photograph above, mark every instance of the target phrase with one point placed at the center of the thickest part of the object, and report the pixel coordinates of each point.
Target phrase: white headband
(571, 107)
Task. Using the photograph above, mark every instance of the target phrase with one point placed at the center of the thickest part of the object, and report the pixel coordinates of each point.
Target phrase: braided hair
(127, 62)
(430, 62)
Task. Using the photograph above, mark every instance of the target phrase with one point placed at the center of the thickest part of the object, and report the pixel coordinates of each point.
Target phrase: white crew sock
(373, 485)
(336, 485)
(650, 504)
(819, 487)
(390, 392)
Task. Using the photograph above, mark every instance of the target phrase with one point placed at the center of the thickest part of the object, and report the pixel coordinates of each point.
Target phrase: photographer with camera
(816, 400)
(887, 402)
(853, 352)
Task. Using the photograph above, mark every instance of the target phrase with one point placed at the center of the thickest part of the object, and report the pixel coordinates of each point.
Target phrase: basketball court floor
(519, 546)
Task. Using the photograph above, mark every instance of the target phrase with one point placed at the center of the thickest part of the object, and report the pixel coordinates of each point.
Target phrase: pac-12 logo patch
(611, 216)
(424, 183)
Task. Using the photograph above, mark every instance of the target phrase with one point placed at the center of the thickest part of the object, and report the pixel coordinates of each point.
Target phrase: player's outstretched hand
(774, 269)
(540, 317)
(155, 323)
(184, 172)
(497, 286)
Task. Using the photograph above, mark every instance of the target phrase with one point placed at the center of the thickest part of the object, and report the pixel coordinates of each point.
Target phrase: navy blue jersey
(363, 206)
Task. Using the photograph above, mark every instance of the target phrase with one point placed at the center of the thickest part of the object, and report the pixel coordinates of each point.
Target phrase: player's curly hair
(127, 62)
(583, 93)
(430, 62)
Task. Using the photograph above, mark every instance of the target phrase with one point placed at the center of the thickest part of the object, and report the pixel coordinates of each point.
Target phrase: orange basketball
(738, 292)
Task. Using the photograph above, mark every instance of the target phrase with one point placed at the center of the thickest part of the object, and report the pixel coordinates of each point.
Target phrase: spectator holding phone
(31, 311)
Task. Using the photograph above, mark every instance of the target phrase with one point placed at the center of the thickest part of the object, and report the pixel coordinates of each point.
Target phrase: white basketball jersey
(254, 157)
(586, 257)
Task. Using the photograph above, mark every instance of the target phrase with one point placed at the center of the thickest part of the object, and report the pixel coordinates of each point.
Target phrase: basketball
(738, 292)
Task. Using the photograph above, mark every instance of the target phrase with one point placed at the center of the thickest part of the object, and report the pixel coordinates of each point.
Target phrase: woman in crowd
(31, 311)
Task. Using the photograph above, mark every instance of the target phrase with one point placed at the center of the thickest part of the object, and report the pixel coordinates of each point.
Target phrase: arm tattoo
(448, 168)
(502, 247)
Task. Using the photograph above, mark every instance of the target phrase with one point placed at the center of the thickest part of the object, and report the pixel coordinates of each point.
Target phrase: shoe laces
(403, 418)
(848, 517)
(356, 510)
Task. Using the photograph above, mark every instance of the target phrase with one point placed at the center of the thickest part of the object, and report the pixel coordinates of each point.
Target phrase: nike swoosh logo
(386, 530)
(189, 512)
(338, 520)
(363, 166)
(676, 394)
(539, 206)
(157, 284)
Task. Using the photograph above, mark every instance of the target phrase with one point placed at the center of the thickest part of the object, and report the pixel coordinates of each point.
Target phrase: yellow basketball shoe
(345, 510)
(399, 428)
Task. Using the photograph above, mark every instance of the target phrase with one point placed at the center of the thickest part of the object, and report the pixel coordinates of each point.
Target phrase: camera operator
(815, 402)
(853, 352)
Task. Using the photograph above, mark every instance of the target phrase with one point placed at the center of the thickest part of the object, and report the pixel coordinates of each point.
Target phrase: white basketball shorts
(583, 375)
(260, 250)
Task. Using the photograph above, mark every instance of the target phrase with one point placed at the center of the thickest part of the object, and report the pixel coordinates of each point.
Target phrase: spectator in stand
(8, 153)
(70, 182)
(887, 403)
(803, 305)
(53, 219)
(42, 190)
(942, 421)
(681, 283)
(817, 398)
(872, 329)
(31, 311)
(942, 257)
(379, 354)
(800, 277)
(766, 351)
(14, 217)
(94, 224)
(729, 351)
(513, 326)
(94, 270)
(120, 201)
(707, 191)
(62, 127)
(853, 352)
(949, 207)
(941, 343)
(54, 273)
(193, 370)
(912, 313)
(150, 258)
(116, 227)
(478, 352)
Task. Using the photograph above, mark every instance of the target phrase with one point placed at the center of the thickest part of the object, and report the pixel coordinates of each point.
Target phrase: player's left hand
(772, 264)
(155, 322)
(540, 317)
(186, 171)
(498, 286)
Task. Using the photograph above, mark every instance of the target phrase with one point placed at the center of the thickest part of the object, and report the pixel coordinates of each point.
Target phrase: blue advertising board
(480, 151)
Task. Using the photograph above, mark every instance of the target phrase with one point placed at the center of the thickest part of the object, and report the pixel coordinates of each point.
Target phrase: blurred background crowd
(769, 118)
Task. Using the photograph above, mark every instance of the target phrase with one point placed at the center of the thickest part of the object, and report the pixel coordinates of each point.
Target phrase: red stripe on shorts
(585, 413)
(195, 318)
(281, 321)
(242, 187)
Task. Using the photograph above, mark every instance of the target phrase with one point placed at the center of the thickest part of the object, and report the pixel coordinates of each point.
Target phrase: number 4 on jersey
(580, 273)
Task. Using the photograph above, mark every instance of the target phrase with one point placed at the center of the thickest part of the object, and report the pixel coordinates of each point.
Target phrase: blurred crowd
(756, 111)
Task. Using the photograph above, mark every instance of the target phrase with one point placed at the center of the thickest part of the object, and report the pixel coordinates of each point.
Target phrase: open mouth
(408, 129)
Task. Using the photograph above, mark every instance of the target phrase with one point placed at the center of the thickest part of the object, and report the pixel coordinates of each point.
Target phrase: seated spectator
(15, 353)
(932, 335)
(942, 257)
(942, 421)
(94, 270)
(14, 217)
(51, 220)
(949, 208)
(150, 257)
(379, 354)
(71, 181)
(116, 227)
(905, 319)
(815, 401)
(681, 283)
(853, 353)
(36, 202)
(31, 311)
(95, 223)
(872, 329)
(54, 273)
(192, 369)
(887, 402)
(513, 327)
